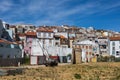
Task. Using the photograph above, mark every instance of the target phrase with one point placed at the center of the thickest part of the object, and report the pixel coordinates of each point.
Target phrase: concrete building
(46, 36)
(114, 48)
(104, 46)
(89, 49)
(30, 35)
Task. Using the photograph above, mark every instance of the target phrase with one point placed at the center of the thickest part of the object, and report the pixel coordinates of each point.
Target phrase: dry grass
(88, 71)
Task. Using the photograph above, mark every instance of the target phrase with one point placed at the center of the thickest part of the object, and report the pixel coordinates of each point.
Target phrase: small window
(86, 47)
(86, 53)
(39, 34)
(90, 53)
(113, 52)
(49, 34)
(50, 41)
(113, 43)
(90, 47)
(1, 56)
(44, 35)
(56, 43)
(1, 45)
(43, 41)
(113, 48)
(8, 56)
(82, 46)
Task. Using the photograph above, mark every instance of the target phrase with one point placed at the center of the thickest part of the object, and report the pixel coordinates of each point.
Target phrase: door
(41, 60)
(33, 60)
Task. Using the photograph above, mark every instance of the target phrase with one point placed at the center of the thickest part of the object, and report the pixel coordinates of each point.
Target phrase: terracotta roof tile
(31, 33)
(44, 30)
(102, 37)
(21, 34)
(8, 42)
(114, 38)
(62, 37)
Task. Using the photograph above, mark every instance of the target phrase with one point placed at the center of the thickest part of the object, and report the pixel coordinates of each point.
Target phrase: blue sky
(101, 14)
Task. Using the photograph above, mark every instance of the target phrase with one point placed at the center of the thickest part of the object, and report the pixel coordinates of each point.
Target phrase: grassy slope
(88, 71)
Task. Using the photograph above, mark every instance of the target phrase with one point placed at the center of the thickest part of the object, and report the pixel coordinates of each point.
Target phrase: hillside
(85, 71)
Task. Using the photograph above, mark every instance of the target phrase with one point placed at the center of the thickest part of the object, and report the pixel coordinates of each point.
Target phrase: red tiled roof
(62, 37)
(44, 30)
(31, 33)
(21, 34)
(114, 38)
(102, 37)
(8, 42)
(1, 41)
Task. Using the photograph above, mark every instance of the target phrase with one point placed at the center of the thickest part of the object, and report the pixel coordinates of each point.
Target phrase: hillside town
(38, 43)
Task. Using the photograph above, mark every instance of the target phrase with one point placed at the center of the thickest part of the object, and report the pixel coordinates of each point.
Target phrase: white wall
(36, 48)
(41, 35)
(117, 48)
(54, 51)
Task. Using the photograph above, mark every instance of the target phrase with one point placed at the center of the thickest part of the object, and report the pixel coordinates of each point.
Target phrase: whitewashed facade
(46, 38)
(114, 48)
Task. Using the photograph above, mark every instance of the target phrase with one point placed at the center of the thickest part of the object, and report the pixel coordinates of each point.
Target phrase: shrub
(77, 76)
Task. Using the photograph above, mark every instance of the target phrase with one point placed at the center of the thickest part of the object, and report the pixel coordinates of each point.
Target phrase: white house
(114, 46)
(46, 36)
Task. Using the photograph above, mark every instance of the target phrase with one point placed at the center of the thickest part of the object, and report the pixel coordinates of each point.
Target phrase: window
(75, 46)
(1, 56)
(83, 46)
(49, 34)
(44, 35)
(86, 53)
(90, 47)
(40, 40)
(56, 43)
(90, 53)
(117, 53)
(7, 26)
(79, 46)
(86, 47)
(8, 56)
(50, 41)
(43, 41)
(1, 45)
(113, 52)
(113, 43)
(39, 34)
(113, 48)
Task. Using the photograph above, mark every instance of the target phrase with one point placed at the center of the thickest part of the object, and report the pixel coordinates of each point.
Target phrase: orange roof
(8, 42)
(62, 37)
(1, 41)
(102, 37)
(44, 30)
(21, 34)
(114, 38)
(31, 33)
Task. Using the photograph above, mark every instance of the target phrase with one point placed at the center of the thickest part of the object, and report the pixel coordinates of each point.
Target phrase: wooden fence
(11, 62)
